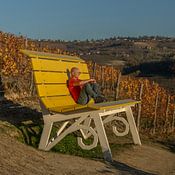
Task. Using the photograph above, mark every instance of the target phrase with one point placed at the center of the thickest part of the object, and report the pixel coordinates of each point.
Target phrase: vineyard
(155, 115)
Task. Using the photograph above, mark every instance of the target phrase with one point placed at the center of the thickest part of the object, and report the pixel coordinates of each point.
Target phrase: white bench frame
(83, 122)
(90, 122)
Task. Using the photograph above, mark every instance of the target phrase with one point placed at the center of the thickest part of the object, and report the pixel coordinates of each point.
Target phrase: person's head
(75, 72)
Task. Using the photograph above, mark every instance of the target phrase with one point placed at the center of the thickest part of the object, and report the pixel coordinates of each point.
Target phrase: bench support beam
(132, 125)
(102, 137)
(82, 122)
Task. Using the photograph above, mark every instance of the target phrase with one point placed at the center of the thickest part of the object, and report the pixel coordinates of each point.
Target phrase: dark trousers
(89, 90)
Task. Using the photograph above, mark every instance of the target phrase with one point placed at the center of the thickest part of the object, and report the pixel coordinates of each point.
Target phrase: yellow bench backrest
(51, 73)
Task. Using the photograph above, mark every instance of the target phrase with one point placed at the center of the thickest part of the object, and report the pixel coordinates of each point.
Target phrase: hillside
(150, 158)
(17, 158)
(118, 51)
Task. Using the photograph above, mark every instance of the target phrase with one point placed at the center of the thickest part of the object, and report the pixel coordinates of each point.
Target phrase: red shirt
(74, 90)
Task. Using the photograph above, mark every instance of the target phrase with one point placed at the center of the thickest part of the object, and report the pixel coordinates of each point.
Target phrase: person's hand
(92, 80)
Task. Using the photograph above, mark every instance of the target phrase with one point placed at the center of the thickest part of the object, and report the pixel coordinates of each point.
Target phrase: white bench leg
(45, 135)
(132, 125)
(84, 132)
(102, 138)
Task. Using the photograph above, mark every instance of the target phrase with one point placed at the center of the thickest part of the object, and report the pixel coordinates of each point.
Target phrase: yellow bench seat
(51, 73)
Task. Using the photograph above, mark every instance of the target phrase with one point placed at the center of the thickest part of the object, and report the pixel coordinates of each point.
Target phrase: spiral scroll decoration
(126, 131)
(95, 141)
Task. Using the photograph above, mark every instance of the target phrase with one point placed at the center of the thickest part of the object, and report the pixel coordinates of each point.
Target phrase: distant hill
(130, 50)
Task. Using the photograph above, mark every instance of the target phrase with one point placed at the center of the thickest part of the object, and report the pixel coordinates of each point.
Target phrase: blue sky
(87, 19)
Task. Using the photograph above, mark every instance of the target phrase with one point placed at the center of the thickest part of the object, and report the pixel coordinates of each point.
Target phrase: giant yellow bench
(51, 74)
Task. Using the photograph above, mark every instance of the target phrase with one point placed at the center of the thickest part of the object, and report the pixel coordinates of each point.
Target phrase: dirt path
(150, 159)
(17, 158)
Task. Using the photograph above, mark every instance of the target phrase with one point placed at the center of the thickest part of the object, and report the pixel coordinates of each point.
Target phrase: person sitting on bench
(83, 90)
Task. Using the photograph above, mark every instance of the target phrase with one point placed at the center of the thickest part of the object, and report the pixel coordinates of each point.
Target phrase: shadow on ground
(123, 169)
(130, 170)
(28, 121)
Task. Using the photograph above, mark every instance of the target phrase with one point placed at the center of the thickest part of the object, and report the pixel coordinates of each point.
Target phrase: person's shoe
(100, 99)
(103, 97)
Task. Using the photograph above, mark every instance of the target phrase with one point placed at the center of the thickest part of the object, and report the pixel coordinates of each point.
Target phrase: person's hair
(73, 69)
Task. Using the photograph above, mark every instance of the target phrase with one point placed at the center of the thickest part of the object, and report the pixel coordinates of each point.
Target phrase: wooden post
(94, 70)
(139, 107)
(112, 77)
(102, 77)
(155, 113)
(117, 86)
(167, 108)
(106, 82)
(1, 89)
(32, 84)
(173, 121)
(1, 85)
(166, 113)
